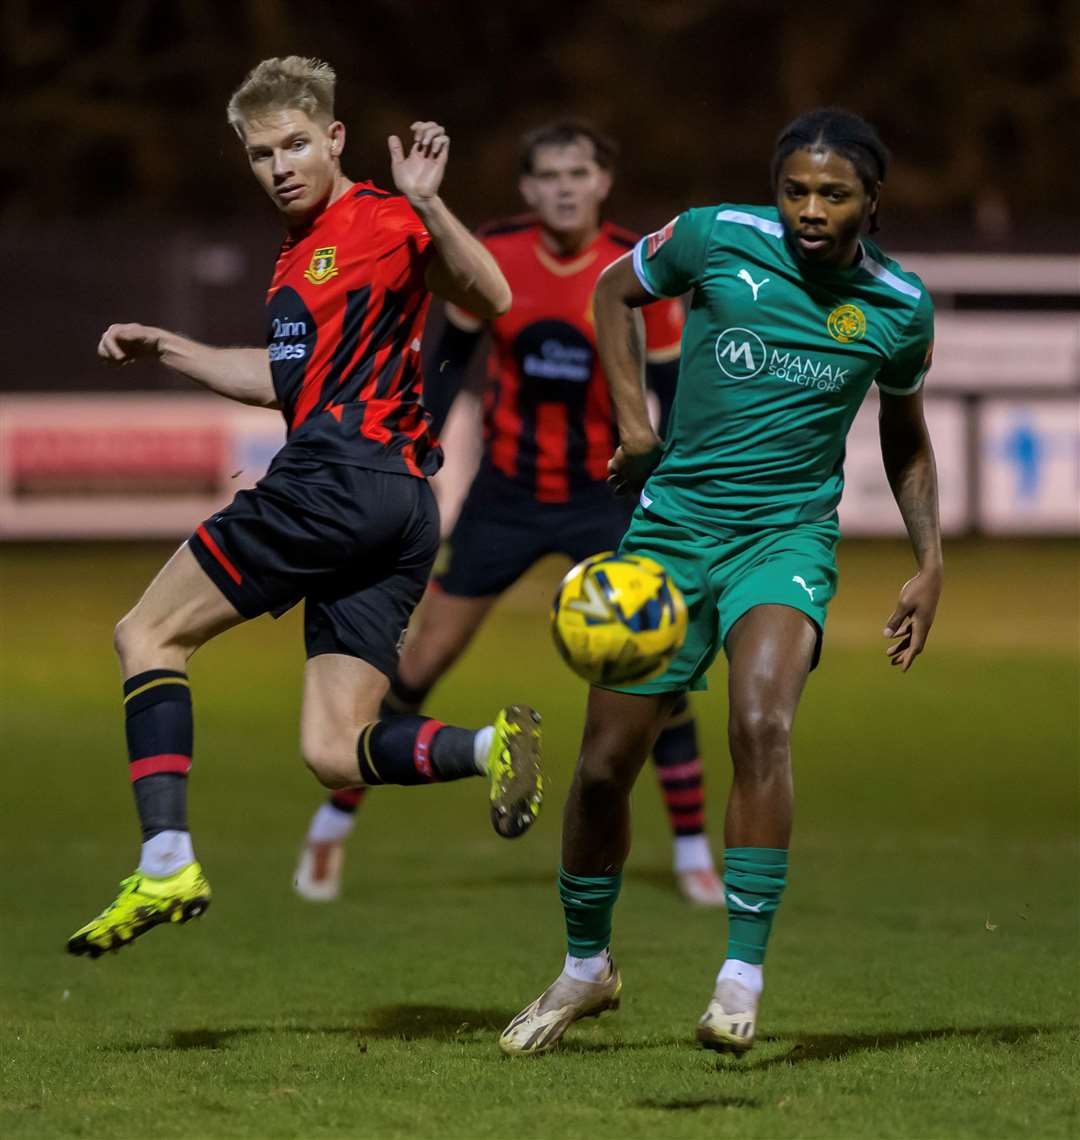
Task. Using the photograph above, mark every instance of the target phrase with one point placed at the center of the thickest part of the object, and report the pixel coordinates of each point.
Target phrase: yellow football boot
(513, 764)
(142, 904)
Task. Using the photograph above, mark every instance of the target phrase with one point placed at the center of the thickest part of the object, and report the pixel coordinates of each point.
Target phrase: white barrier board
(1029, 459)
(868, 506)
(977, 352)
(120, 466)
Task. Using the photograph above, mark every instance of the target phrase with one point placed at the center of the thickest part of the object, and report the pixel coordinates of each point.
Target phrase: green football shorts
(723, 576)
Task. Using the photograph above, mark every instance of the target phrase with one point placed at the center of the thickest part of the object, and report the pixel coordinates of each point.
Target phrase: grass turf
(923, 973)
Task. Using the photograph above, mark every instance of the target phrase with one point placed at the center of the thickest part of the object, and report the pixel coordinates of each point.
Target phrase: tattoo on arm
(916, 496)
(633, 336)
(912, 474)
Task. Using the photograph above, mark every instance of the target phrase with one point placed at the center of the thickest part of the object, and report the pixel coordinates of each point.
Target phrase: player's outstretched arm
(462, 270)
(241, 374)
(909, 465)
(620, 341)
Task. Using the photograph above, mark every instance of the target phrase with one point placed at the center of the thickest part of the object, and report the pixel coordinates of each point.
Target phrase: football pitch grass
(922, 980)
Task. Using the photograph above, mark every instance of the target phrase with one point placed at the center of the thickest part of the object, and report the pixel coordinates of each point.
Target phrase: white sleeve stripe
(740, 217)
(640, 270)
(888, 278)
(904, 391)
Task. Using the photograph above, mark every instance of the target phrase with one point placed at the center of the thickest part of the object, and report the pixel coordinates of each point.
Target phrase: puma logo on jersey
(744, 275)
(802, 582)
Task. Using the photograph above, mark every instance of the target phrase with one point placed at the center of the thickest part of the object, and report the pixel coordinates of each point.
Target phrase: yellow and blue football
(618, 619)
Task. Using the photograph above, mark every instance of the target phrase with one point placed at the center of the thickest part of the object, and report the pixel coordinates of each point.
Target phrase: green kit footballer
(793, 315)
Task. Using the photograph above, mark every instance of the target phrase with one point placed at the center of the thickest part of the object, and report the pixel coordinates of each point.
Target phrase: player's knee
(331, 758)
(131, 640)
(597, 785)
(609, 763)
(760, 737)
(332, 770)
(145, 644)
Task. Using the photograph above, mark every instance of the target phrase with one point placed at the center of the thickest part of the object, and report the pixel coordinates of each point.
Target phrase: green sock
(588, 901)
(754, 878)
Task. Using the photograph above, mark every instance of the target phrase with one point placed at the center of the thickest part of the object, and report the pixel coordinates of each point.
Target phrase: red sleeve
(663, 329)
(405, 245)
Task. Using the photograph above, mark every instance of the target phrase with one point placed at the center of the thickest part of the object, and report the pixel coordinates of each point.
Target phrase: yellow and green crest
(323, 265)
(846, 323)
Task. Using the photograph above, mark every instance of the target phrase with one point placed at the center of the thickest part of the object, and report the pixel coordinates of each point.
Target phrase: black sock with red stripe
(348, 799)
(160, 730)
(679, 769)
(415, 750)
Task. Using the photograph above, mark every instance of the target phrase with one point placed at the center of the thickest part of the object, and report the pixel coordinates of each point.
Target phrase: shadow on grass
(696, 1103)
(414, 1022)
(574, 1045)
(433, 1022)
(401, 1022)
(835, 1046)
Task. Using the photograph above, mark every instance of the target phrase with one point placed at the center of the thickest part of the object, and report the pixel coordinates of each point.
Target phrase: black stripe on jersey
(385, 386)
(385, 322)
(528, 449)
(375, 194)
(356, 307)
(576, 445)
(571, 441)
(393, 325)
(409, 413)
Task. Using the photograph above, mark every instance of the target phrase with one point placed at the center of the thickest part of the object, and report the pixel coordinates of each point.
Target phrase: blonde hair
(292, 82)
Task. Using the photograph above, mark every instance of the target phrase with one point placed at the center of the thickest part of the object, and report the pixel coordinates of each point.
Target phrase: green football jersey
(777, 355)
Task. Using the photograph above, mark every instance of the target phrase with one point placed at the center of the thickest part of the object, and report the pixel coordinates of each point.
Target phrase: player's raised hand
(910, 622)
(419, 174)
(124, 344)
(631, 466)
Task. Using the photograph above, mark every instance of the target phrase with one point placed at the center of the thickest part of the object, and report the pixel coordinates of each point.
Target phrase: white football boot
(539, 1027)
(729, 1022)
(318, 874)
(701, 887)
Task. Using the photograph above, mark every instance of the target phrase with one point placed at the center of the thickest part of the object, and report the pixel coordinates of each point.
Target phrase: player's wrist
(639, 442)
(425, 205)
(162, 343)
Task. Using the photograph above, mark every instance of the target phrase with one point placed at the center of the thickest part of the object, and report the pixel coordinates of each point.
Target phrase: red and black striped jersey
(548, 420)
(345, 314)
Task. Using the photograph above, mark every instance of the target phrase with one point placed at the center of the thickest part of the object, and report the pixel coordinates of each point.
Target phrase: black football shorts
(503, 530)
(357, 545)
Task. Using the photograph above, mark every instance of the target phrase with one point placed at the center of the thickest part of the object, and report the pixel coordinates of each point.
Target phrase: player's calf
(412, 750)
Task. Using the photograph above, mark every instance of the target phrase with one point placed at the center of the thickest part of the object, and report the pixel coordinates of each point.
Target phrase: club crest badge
(846, 323)
(323, 265)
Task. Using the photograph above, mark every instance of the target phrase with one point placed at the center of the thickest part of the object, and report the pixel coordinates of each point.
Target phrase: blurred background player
(343, 519)
(541, 488)
(794, 316)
